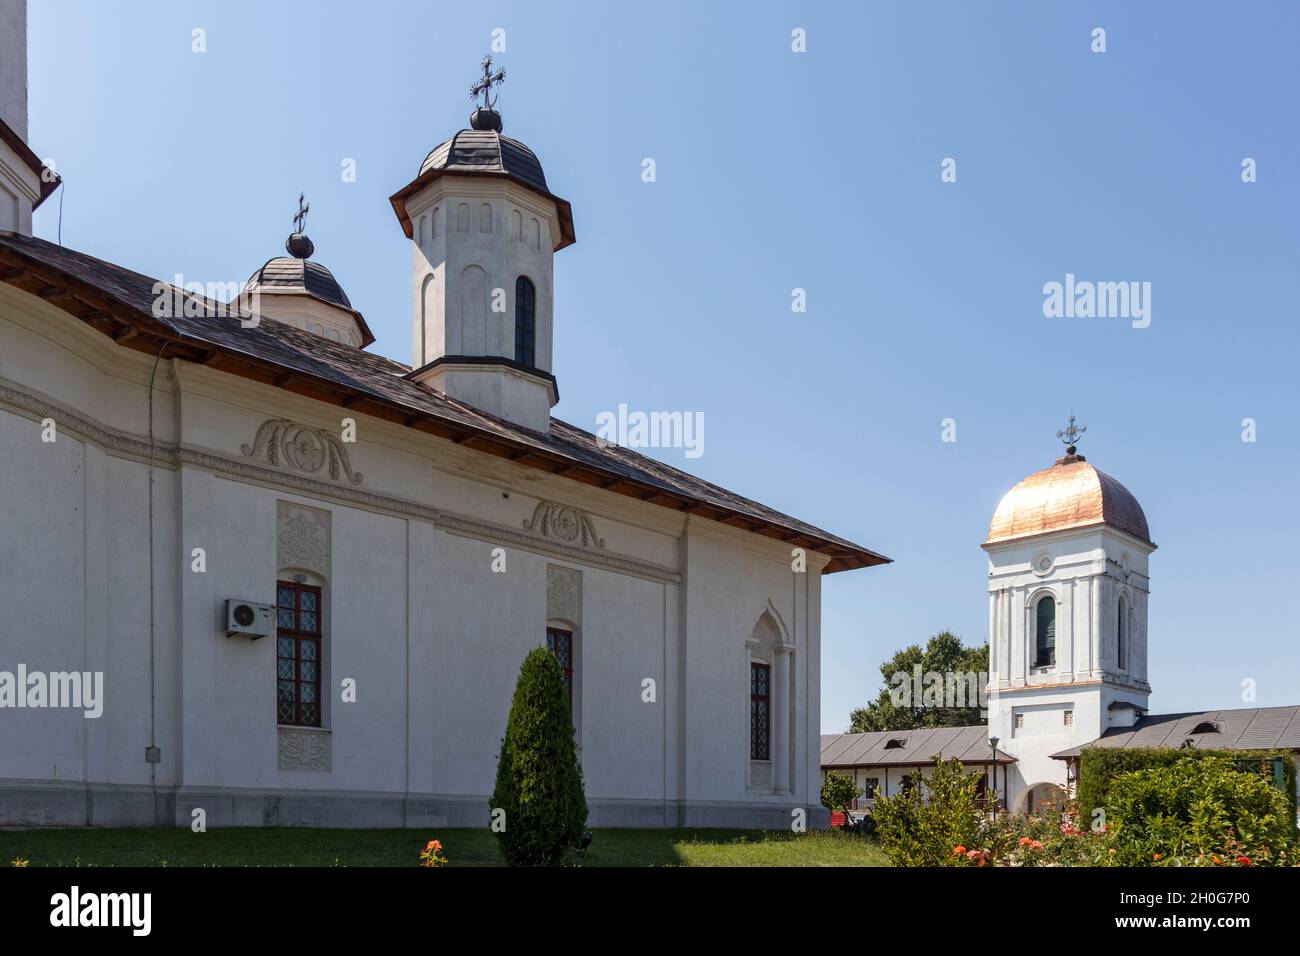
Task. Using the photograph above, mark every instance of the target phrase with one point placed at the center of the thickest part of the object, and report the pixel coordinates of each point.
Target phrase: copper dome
(1070, 494)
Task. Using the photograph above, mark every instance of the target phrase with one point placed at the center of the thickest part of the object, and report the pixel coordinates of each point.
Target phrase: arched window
(525, 323)
(1121, 631)
(1045, 632)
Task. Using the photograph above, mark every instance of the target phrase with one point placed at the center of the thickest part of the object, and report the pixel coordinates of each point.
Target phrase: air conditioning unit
(249, 619)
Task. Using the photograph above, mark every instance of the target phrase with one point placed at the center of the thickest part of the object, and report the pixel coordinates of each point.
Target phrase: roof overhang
(562, 207)
(137, 329)
(49, 178)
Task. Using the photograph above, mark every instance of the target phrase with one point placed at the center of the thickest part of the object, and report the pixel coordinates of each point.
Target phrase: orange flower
(958, 850)
(435, 844)
(1155, 856)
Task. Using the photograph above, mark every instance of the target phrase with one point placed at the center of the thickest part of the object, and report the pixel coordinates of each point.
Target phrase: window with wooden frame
(298, 654)
(760, 711)
(560, 643)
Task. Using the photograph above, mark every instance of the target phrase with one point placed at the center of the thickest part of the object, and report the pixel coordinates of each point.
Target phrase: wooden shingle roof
(119, 303)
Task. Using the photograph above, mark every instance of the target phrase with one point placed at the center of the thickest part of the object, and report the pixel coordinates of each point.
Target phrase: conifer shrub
(539, 783)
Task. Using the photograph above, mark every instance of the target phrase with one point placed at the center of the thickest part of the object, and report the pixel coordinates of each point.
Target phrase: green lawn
(298, 847)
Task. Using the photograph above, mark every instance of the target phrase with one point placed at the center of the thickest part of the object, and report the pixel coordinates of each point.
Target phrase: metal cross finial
(301, 219)
(1070, 434)
(484, 86)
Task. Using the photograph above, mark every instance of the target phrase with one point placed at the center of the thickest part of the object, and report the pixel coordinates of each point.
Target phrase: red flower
(1244, 861)
(1155, 856)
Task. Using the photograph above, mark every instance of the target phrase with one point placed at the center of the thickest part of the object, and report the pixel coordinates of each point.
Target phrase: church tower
(1068, 584)
(484, 228)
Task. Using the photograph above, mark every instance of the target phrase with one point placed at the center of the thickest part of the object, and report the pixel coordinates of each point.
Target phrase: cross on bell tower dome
(484, 228)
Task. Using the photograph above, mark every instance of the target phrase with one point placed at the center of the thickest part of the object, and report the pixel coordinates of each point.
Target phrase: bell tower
(1068, 583)
(484, 229)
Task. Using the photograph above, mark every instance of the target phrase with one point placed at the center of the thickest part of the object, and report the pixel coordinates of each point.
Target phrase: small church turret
(296, 290)
(1068, 584)
(484, 228)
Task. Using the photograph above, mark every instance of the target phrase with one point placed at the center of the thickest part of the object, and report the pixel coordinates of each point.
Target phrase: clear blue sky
(820, 171)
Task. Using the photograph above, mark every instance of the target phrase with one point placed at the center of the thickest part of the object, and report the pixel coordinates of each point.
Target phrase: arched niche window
(1045, 632)
(525, 323)
(1121, 632)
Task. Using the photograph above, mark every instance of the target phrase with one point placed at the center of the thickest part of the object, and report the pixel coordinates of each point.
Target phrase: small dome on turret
(295, 290)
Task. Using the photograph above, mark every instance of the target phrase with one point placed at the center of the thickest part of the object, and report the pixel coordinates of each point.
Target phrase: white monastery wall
(401, 541)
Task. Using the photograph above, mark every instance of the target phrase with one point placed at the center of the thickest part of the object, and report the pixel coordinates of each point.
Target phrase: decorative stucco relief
(564, 524)
(302, 538)
(564, 594)
(303, 750)
(302, 448)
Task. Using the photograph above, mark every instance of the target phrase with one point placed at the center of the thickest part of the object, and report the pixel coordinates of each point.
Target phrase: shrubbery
(1198, 811)
(921, 825)
(1099, 767)
(1195, 812)
(838, 792)
(539, 782)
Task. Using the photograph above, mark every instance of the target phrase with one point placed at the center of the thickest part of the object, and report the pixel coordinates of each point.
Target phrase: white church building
(1068, 584)
(298, 577)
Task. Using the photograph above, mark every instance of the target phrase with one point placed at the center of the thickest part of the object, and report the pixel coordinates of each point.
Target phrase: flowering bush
(432, 855)
(921, 825)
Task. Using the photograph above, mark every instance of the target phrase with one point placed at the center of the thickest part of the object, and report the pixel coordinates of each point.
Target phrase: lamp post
(993, 771)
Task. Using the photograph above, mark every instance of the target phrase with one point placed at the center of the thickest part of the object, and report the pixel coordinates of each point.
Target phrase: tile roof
(968, 744)
(334, 371)
(1247, 728)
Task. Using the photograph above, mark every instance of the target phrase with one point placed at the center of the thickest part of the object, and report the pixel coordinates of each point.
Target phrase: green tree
(838, 792)
(944, 654)
(539, 782)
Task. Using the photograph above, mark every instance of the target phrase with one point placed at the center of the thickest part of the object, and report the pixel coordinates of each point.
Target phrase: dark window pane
(285, 670)
(284, 647)
(285, 598)
(308, 651)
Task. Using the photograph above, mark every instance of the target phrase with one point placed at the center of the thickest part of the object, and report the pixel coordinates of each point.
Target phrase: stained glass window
(760, 704)
(560, 643)
(525, 323)
(297, 654)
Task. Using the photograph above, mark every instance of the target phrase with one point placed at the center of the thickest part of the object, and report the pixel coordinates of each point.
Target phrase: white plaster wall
(13, 65)
(415, 614)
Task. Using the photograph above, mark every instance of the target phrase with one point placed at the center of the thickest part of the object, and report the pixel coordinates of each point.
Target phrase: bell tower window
(1045, 632)
(1121, 632)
